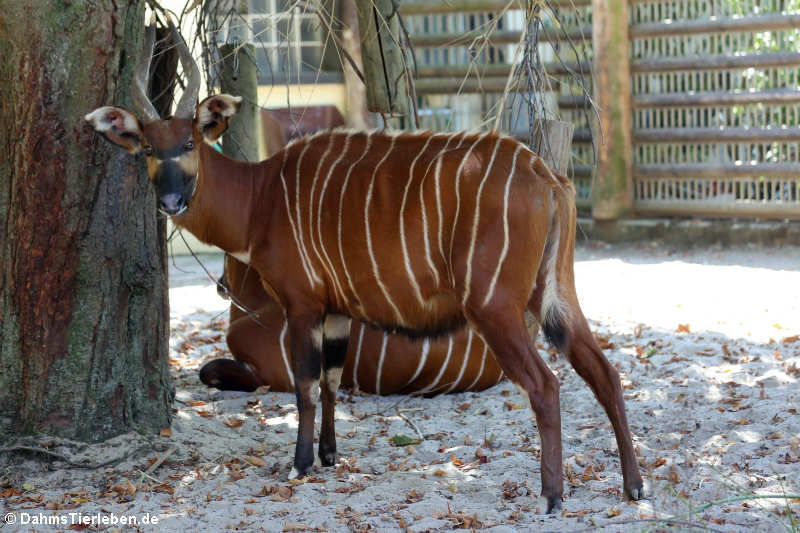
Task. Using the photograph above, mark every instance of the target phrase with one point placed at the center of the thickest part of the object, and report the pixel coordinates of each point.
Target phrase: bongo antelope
(456, 362)
(412, 232)
(376, 362)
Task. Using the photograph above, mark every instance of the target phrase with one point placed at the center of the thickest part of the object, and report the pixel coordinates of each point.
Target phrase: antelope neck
(220, 209)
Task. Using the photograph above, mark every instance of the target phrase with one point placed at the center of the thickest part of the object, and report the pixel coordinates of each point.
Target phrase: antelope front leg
(306, 342)
(334, 350)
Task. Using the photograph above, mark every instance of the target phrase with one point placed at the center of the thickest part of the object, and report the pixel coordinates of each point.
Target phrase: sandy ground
(706, 341)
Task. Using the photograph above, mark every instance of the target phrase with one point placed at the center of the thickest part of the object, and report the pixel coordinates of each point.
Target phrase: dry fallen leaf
(683, 328)
(255, 461)
(165, 432)
(234, 422)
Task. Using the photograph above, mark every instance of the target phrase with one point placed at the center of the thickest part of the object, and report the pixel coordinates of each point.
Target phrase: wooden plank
(549, 34)
(693, 99)
(748, 208)
(579, 136)
(715, 25)
(717, 62)
(434, 7)
(717, 135)
(716, 170)
(499, 70)
(460, 85)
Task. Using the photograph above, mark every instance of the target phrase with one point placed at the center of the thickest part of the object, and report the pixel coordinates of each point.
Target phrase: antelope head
(170, 145)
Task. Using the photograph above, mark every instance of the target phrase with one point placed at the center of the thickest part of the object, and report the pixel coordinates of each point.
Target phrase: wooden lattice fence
(715, 105)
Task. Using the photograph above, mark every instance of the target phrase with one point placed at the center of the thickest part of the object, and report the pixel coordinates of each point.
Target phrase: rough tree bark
(84, 322)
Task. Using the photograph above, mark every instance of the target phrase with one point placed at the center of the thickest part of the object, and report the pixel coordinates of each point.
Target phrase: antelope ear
(213, 115)
(117, 125)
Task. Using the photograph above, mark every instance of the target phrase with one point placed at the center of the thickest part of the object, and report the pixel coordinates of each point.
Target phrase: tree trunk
(357, 115)
(84, 321)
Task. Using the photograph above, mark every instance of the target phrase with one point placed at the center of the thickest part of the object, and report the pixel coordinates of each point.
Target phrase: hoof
(636, 492)
(295, 474)
(554, 505)
(327, 458)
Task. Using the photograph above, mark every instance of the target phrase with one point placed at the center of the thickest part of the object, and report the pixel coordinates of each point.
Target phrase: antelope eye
(189, 146)
(148, 150)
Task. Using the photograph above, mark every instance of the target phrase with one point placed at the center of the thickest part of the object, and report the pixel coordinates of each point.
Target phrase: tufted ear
(213, 115)
(117, 125)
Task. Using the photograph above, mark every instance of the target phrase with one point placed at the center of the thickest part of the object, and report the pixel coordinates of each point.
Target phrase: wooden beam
(716, 135)
(717, 62)
(499, 70)
(579, 136)
(435, 7)
(612, 191)
(696, 99)
(716, 170)
(715, 25)
(549, 34)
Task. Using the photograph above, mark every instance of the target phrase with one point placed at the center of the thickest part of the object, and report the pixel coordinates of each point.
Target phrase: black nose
(172, 203)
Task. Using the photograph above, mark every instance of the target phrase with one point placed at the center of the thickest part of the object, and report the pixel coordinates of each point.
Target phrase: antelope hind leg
(508, 337)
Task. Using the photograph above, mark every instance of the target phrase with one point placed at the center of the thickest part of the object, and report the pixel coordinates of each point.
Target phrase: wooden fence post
(612, 190)
(384, 68)
(239, 77)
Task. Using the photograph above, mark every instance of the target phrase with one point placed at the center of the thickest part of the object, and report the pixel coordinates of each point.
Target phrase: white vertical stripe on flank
(458, 200)
(403, 244)
(444, 367)
(367, 146)
(500, 377)
(311, 206)
(291, 223)
(463, 363)
(302, 244)
(504, 251)
(423, 357)
(425, 238)
(480, 370)
(285, 352)
(358, 356)
(329, 264)
(381, 285)
(438, 188)
(475, 221)
(380, 364)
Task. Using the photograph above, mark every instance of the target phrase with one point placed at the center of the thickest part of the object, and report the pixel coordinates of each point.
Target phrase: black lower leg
(306, 362)
(334, 352)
